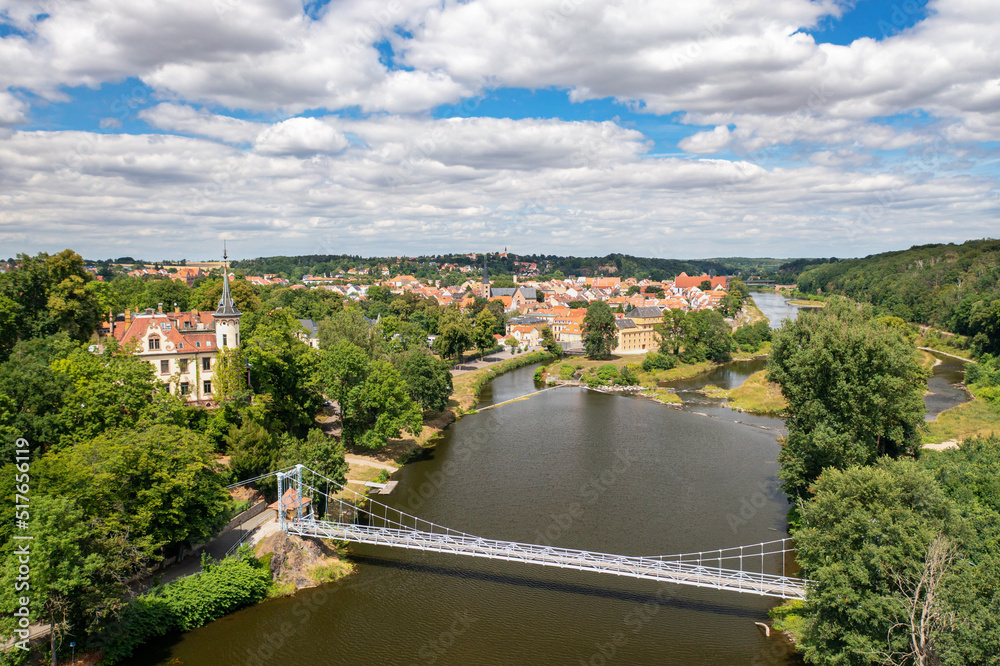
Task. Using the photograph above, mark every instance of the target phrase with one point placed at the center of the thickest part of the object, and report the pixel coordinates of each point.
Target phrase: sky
(704, 128)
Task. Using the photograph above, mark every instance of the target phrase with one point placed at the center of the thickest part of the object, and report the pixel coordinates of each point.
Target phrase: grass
(758, 395)
(974, 418)
(925, 359)
(680, 372)
(755, 395)
(787, 618)
(943, 344)
(328, 573)
(662, 395)
(755, 313)
(807, 304)
(765, 349)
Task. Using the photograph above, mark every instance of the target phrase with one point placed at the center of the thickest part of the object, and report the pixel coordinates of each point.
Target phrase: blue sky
(801, 128)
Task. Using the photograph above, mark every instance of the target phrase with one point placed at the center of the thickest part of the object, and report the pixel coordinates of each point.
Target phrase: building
(636, 333)
(685, 281)
(182, 346)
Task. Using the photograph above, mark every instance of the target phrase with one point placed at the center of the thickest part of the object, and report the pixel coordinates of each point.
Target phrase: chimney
(128, 316)
(159, 308)
(177, 309)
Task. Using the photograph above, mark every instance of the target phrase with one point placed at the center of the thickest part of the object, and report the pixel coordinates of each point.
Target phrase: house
(311, 335)
(182, 347)
(636, 334)
(526, 334)
(685, 281)
(291, 502)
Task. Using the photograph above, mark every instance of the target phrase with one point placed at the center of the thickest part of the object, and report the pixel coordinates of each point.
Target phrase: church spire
(226, 306)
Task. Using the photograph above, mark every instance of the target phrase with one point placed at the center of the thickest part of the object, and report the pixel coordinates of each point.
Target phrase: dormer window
(197, 344)
(154, 343)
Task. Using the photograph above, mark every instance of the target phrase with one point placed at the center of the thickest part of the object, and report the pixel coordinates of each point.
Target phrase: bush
(186, 604)
(593, 380)
(607, 372)
(655, 361)
(566, 371)
(629, 375)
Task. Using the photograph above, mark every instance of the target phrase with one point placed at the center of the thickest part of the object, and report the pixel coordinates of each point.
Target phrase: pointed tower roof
(226, 306)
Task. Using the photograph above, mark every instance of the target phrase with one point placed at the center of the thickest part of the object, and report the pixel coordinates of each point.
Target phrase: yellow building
(635, 331)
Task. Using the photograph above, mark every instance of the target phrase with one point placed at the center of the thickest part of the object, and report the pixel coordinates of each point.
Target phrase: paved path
(217, 548)
(469, 366)
(369, 462)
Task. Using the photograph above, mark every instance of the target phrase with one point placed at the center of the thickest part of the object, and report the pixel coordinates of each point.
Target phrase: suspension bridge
(354, 517)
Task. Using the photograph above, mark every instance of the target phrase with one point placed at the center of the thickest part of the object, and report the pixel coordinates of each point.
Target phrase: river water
(567, 467)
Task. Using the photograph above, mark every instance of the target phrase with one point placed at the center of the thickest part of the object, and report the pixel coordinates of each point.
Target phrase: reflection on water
(775, 307)
(945, 387)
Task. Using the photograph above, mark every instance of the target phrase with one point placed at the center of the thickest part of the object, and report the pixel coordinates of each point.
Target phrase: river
(568, 467)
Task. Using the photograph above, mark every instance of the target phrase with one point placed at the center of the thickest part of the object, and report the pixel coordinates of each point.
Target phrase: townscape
(485, 332)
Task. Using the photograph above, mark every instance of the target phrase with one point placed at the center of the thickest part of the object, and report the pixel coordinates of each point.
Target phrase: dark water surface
(945, 388)
(568, 467)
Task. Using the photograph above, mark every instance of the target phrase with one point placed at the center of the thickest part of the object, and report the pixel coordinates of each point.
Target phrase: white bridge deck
(670, 569)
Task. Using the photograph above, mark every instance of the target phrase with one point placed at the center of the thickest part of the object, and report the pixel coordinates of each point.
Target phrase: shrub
(607, 372)
(566, 371)
(655, 361)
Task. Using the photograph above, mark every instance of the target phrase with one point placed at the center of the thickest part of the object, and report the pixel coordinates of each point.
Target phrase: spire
(226, 306)
(486, 280)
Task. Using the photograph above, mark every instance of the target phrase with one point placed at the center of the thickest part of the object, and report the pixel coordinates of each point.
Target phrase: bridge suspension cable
(357, 518)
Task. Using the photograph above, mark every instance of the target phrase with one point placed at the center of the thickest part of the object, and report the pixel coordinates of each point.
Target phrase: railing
(651, 568)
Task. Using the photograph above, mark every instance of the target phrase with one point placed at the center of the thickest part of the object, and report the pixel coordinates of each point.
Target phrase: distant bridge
(755, 569)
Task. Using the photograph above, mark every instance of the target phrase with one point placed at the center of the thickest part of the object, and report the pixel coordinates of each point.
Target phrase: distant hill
(949, 286)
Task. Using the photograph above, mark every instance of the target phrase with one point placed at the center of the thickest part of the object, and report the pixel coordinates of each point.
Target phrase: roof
(646, 312)
(226, 306)
(624, 323)
(310, 326)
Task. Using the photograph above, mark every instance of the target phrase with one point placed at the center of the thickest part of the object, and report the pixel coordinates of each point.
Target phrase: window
(180, 345)
(154, 343)
(224, 343)
(185, 388)
(164, 367)
(237, 339)
(208, 343)
(165, 326)
(182, 364)
(206, 364)
(197, 344)
(208, 387)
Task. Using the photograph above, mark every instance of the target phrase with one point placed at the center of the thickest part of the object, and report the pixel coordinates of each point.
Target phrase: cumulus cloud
(188, 120)
(12, 110)
(301, 137)
(185, 192)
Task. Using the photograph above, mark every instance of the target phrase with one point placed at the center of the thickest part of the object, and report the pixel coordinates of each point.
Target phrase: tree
(854, 392)
(351, 326)
(454, 334)
(706, 285)
(672, 331)
(633, 290)
(157, 485)
(482, 334)
(428, 380)
(208, 293)
(865, 529)
(229, 375)
(317, 451)
(252, 450)
(549, 342)
(373, 398)
(600, 332)
(707, 336)
(63, 567)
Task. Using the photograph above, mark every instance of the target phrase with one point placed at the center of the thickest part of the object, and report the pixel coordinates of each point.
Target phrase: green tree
(373, 398)
(672, 332)
(207, 294)
(252, 450)
(317, 451)
(600, 332)
(705, 285)
(549, 343)
(865, 530)
(229, 375)
(454, 334)
(482, 333)
(707, 336)
(351, 326)
(428, 380)
(156, 485)
(63, 568)
(854, 392)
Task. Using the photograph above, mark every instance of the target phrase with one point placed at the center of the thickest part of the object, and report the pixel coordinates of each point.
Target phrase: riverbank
(755, 395)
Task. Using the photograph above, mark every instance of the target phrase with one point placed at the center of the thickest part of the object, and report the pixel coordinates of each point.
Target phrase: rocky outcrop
(300, 562)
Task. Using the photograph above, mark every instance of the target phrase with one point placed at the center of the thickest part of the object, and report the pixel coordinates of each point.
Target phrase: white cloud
(187, 120)
(301, 137)
(707, 142)
(12, 110)
(183, 193)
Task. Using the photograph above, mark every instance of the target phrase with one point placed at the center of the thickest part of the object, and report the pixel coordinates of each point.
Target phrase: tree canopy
(600, 332)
